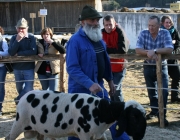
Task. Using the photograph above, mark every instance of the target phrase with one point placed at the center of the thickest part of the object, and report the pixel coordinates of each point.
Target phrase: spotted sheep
(56, 115)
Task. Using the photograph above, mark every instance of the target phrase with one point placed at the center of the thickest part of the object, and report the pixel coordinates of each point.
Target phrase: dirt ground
(133, 89)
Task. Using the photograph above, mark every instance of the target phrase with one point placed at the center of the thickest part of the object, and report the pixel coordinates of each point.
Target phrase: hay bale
(176, 11)
(154, 10)
(124, 9)
(143, 10)
(164, 10)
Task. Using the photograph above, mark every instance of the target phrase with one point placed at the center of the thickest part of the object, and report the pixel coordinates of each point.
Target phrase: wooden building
(63, 14)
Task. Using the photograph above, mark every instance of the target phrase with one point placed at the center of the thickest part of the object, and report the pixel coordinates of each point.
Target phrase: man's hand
(111, 87)
(150, 54)
(174, 41)
(19, 36)
(40, 55)
(155, 57)
(95, 88)
(49, 40)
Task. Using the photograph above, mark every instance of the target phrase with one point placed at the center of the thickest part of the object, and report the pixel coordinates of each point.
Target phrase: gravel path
(152, 132)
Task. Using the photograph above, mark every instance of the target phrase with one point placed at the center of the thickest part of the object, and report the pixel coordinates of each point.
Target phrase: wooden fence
(13, 59)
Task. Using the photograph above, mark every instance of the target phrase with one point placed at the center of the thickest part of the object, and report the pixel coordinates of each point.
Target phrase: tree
(131, 3)
(110, 5)
(141, 3)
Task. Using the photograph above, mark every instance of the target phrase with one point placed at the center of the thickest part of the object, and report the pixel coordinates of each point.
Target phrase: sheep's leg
(30, 134)
(8, 137)
(40, 137)
(83, 137)
(103, 137)
(15, 131)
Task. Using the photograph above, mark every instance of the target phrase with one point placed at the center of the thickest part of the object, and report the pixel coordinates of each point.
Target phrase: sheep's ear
(121, 126)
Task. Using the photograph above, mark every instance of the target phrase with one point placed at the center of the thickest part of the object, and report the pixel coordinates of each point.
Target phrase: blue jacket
(26, 47)
(82, 64)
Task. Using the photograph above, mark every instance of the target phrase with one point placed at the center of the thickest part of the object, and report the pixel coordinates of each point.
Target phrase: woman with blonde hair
(48, 69)
(173, 71)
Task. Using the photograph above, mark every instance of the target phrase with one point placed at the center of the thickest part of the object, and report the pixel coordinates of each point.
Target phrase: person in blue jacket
(3, 70)
(23, 44)
(88, 62)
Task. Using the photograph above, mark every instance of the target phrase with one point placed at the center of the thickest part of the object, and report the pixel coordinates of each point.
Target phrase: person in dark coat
(23, 44)
(173, 71)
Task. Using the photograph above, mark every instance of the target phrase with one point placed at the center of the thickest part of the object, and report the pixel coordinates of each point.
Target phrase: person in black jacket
(3, 70)
(173, 71)
(116, 43)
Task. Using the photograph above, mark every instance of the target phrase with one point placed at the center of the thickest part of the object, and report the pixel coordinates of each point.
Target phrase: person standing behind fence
(115, 41)
(151, 42)
(23, 44)
(88, 62)
(3, 70)
(48, 69)
(173, 71)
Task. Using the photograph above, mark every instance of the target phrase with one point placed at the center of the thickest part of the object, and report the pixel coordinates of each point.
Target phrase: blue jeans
(24, 86)
(151, 81)
(3, 72)
(49, 84)
(117, 79)
(174, 73)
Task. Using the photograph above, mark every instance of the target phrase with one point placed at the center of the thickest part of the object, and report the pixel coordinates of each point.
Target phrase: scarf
(171, 30)
(46, 47)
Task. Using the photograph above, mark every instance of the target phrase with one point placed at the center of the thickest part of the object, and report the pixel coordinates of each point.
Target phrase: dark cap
(88, 12)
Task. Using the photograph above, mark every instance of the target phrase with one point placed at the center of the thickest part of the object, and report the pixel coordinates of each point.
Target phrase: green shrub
(110, 5)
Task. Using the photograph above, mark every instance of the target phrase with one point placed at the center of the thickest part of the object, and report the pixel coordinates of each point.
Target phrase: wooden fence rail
(13, 59)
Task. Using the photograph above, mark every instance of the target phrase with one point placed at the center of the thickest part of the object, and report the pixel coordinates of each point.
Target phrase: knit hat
(88, 12)
(22, 23)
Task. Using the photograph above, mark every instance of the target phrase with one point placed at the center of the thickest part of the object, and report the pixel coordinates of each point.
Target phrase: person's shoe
(151, 115)
(166, 123)
(177, 99)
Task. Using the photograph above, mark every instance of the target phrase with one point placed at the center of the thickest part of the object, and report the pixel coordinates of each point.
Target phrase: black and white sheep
(55, 115)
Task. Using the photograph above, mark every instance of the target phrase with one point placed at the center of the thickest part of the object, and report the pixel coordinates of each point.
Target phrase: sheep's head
(132, 121)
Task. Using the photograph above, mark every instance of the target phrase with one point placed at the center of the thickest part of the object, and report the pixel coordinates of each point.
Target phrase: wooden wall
(59, 14)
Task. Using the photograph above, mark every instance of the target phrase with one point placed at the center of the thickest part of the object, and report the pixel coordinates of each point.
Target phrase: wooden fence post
(32, 16)
(160, 90)
(42, 20)
(61, 75)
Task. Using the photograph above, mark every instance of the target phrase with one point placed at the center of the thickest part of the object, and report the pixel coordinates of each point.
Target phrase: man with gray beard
(88, 62)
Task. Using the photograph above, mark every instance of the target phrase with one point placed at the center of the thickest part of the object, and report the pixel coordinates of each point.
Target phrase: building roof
(35, 0)
(11, 0)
